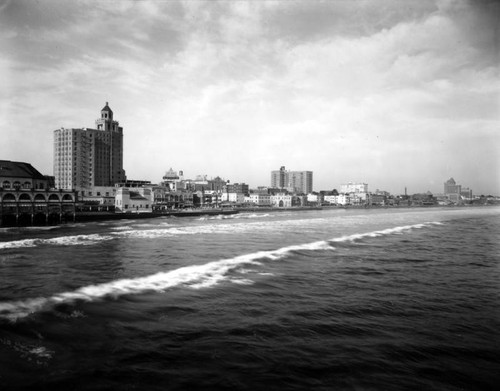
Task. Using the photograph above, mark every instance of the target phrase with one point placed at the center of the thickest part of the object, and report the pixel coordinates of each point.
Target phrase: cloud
(352, 90)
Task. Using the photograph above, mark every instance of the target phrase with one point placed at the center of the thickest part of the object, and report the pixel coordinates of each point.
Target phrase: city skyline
(396, 97)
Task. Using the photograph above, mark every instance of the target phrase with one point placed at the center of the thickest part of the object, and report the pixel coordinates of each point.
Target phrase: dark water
(320, 300)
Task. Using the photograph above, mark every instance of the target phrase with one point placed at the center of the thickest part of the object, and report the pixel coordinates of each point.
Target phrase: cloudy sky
(391, 93)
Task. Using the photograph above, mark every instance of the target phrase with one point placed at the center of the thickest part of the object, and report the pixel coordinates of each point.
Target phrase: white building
(354, 188)
(238, 198)
(281, 200)
(134, 200)
(341, 199)
(258, 199)
(103, 195)
(311, 197)
(171, 179)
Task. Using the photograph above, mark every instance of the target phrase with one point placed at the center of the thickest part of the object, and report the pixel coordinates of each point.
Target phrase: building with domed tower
(85, 158)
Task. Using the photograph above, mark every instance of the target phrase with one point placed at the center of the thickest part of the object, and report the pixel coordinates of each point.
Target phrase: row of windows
(17, 185)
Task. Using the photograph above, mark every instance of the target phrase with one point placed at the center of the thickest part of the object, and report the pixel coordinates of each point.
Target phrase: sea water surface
(315, 300)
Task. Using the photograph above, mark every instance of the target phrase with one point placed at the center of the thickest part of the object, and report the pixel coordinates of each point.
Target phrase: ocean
(341, 299)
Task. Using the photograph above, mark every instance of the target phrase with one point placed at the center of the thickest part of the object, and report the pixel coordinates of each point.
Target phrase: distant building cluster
(89, 176)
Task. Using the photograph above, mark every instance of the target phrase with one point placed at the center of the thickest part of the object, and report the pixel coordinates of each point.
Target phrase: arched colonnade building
(36, 207)
(27, 197)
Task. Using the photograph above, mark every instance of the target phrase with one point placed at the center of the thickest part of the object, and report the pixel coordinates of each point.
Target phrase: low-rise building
(259, 199)
(281, 200)
(134, 200)
(352, 187)
(235, 198)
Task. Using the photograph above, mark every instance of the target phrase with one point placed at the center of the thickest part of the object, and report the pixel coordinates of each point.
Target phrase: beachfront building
(101, 196)
(281, 200)
(258, 199)
(337, 199)
(140, 199)
(455, 193)
(28, 198)
(171, 179)
(234, 198)
(241, 188)
(85, 158)
(352, 187)
(300, 182)
(315, 198)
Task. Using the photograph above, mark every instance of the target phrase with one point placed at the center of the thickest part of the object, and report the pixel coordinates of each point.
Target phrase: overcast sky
(391, 93)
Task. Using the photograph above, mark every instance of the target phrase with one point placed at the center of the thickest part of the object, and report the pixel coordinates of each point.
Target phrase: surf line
(196, 276)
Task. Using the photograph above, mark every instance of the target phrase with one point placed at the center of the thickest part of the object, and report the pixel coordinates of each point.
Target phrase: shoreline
(81, 217)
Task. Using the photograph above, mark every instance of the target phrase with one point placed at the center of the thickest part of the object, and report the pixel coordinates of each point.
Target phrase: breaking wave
(195, 276)
(239, 216)
(388, 231)
(60, 241)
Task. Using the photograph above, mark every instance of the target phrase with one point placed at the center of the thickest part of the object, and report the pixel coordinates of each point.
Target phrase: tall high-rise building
(300, 181)
(84, 157)
(296, 181)
(278, 178)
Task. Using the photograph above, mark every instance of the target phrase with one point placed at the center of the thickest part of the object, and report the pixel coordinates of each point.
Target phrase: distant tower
(106, 121)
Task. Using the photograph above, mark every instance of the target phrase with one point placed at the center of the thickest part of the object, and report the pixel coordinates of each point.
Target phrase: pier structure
(25, 207)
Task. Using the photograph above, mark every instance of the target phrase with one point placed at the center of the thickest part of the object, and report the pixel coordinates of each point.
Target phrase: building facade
(300, 182)
(354, 188)
(241, 188)
(84, 158)
(134, 200)
(455, 193)
(278, 178)
(28, 198)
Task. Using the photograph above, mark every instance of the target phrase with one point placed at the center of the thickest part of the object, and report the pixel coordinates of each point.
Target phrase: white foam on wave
(58, 241)
(187, 230)
(122, 228)
(77, 240)
(238, 216)
(37, 228)
(19, 243)
(242, 281)
(389, 231)
(195, 276)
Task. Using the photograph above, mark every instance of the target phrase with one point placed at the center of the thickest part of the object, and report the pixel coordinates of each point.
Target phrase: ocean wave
(58, 241)
(19, 243)
(384, 232)
(238, 216)
(195, 276)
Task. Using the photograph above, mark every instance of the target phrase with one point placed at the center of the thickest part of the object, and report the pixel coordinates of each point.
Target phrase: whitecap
(195, 276)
